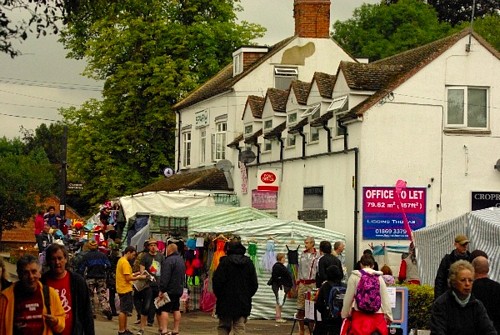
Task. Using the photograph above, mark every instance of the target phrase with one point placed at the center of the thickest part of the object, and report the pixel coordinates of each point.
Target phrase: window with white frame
(248, 130)
(312, 110)
(219, 141)
(186, 149)
(268, 145)
(237, 64)
(268, 125)
(467, 107)
(292, 118)
(290, 140)
(283, 77)
(203, 145)
(313, 197)
(314, 135)
(339, 107)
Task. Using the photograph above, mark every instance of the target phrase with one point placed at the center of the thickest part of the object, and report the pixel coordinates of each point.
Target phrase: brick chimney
(312, 18)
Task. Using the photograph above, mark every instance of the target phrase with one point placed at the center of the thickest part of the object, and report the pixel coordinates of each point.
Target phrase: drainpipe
(356, 188)
(179, 125)
(301, 133)
(282, 146)
(258, 151)
(329, 136)
(344, 128)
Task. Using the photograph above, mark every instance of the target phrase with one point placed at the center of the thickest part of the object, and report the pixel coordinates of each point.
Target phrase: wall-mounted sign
(201, 118)
(268, 179)
(74, 186)
(481, 200)
(382, 216)
(264, 199)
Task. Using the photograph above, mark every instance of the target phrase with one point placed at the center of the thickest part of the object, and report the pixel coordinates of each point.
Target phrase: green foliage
(149, 53)
(458, 11)
(488, 27)
(420, 299)
(25, 177)
(378, 31)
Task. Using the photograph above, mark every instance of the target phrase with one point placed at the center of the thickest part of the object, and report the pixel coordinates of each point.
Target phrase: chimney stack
(312, 18)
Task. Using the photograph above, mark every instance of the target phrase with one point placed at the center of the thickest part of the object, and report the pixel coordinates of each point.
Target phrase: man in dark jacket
(325, 261)
(79, 319)
(234, 284)
(486, 290)
(172, 277)
(460, 253)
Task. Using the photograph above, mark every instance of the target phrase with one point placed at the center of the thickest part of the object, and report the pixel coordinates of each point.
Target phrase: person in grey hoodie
(172, 277)
(234, 285)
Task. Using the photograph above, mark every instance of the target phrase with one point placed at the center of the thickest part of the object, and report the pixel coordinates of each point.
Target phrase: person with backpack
(329, 302)
(366, 300)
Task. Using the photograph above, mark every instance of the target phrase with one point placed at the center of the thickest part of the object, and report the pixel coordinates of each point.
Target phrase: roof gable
(256, 106)
(325, 83)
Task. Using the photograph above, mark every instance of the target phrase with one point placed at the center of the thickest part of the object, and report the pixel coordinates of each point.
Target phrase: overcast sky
(34, 85)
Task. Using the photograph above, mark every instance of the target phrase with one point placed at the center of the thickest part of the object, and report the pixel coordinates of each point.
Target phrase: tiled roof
(298, 127)
(325, 83)
(253, 138)
(278, 99)
(318, 122)
(301, 90)
(224, 80)
(276, 131)
(210, 179)
(406, 64)
(371, 77)
(236, 142)
(256, 104)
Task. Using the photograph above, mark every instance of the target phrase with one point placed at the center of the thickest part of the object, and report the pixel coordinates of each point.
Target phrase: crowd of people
(59, 299)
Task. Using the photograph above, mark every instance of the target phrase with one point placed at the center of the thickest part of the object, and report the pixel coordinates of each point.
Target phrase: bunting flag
(400, 186)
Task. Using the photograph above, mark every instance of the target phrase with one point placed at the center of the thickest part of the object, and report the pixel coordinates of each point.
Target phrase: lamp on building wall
(497, 165)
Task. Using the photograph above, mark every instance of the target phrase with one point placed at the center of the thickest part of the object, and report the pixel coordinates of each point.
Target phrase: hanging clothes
(252, 253)
(219, 252)
(269, 258)
(293, 268)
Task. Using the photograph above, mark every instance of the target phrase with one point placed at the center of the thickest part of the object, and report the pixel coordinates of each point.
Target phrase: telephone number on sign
(389, 231)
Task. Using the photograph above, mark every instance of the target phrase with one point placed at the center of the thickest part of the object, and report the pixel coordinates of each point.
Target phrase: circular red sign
(268, 177)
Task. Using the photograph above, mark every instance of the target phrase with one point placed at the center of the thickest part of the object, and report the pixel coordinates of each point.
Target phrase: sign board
(382, 216)
(75, 186)
(264, 199)
(482, 200)
(268, 179)
(201, 118)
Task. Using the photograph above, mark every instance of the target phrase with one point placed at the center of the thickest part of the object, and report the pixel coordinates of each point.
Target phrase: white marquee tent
(433, 242)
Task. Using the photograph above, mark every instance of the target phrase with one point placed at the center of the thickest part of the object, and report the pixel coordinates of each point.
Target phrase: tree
(378, 31)
(25, 177)
(457, 11)
(149, 53)
(38, 16)
(488, 27)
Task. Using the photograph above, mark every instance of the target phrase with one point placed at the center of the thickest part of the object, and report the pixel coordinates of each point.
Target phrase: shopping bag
(346, 326)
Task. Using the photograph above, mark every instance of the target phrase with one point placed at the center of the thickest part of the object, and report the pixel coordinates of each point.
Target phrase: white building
(333, 146)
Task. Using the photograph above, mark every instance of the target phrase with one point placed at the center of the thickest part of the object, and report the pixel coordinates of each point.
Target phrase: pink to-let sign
(264, 199)
(268, 180)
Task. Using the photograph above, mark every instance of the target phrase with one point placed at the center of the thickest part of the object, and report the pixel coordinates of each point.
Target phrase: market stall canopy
(285, 233)
(433, 242)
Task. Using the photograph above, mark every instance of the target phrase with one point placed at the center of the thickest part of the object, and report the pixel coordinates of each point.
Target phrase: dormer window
(237, 64)
(292, 118)
(248, 130)
(268, 125)
(311, 111)
(283, 77)
(339, 107)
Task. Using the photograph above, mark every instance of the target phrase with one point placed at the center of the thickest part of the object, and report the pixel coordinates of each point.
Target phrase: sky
(34, 85)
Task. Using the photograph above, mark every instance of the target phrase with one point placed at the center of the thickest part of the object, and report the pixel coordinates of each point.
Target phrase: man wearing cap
(460, 253)
(94, 266)
(150, 262)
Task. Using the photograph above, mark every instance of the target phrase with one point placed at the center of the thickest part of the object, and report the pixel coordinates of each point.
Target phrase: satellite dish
(247, 156)
(224, 165)
(168, 172)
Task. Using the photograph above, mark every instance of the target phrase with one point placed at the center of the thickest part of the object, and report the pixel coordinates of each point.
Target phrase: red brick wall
(312, 18)
(251, 57)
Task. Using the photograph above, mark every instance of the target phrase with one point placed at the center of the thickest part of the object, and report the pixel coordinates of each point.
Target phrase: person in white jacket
(362, 322)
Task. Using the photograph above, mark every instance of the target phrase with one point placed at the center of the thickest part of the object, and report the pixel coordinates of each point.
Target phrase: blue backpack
(368, 293)
(335, 302)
